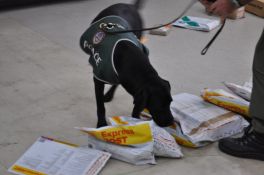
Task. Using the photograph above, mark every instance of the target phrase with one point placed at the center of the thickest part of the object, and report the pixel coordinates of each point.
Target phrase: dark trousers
(257, 97)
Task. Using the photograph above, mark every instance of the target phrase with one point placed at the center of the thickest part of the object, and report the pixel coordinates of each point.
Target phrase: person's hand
(206, 3)
(221, 8)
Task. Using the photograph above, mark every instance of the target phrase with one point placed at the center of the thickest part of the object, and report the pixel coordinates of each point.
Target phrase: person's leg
(257, 97)
(251, 145)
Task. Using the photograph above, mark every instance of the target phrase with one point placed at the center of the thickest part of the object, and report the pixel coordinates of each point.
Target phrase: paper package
(226, 100)
(134, 155)
(201, 121)
(176, 132)
(242, 91)
(52, 157)
(129, 143)
(197, 23)
(164, 144)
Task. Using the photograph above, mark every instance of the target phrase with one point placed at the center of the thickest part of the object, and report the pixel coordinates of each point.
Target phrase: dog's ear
(159, 94)
(167, 86)
(159, 103)
(145, 50)
(139, 4)
(140, 102)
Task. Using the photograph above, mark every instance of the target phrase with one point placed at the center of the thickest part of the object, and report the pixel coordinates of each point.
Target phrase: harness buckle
(110, 26)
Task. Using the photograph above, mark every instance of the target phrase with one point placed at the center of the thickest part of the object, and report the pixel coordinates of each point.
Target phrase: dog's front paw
(101, 124)
(137, 117)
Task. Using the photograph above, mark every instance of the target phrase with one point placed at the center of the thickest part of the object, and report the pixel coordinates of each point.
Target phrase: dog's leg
(99, 95)
(110, 93)
(136, 111)
(140, 101)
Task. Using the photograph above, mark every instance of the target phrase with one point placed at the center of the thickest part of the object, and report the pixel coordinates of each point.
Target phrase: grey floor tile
(46, 85)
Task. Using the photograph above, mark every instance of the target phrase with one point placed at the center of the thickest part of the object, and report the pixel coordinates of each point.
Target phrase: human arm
(223, 8)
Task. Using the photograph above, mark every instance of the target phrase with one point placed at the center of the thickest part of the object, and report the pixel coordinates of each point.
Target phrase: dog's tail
(139, 4)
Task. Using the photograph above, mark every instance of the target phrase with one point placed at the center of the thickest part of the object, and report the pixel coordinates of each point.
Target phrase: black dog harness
(101, 45)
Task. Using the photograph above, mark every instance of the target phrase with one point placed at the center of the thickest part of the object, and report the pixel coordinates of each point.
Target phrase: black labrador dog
(119, 58)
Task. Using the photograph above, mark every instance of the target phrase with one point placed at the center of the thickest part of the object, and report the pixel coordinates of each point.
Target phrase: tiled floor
(46, 84)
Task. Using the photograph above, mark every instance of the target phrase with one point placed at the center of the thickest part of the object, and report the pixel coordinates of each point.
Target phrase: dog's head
(156, 98)
(128, 12)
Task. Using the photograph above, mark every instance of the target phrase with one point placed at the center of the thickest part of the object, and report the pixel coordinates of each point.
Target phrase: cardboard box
(238, 13)
(256, 7)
